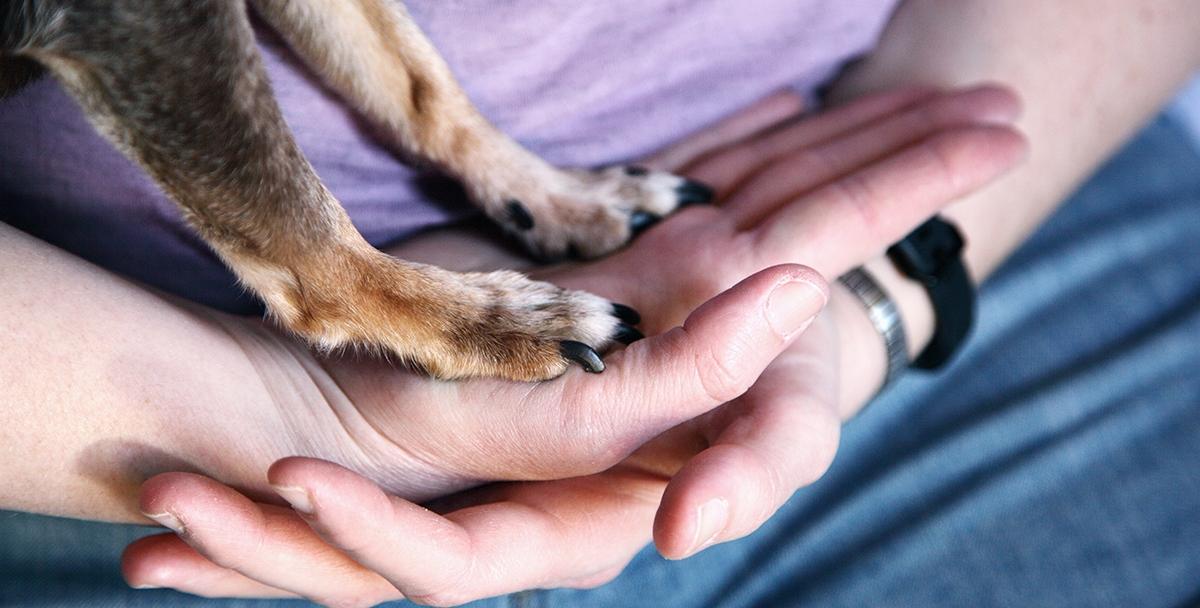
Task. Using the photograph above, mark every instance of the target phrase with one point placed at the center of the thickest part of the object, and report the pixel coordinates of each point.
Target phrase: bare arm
(105, 383)
(1090, 73)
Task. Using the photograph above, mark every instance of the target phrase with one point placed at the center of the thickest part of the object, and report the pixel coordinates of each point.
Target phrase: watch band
(884, 316)
(932, 255)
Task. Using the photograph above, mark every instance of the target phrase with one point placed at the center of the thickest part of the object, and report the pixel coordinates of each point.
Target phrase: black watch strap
(932, 255)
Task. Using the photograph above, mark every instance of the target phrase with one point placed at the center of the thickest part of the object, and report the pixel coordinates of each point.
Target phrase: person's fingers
(164, 560)
(760, 115)
(268, 544)
(782, 436)
(806, 167)
(574, 531)
(578, 533)
(848, 220)
(724, 169)
(787, 432)
(585, 423)
(666, 379)
(421, 552)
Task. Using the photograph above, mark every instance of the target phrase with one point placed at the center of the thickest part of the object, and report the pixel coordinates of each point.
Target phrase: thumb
(716, 355)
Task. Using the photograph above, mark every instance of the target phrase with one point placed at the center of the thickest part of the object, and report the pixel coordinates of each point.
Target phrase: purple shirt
(581, 83)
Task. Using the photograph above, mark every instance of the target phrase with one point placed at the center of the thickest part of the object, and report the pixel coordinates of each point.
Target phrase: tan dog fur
(178, 86)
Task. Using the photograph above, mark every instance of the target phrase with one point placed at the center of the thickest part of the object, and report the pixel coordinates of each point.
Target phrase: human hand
(770, 308)
(587, 518)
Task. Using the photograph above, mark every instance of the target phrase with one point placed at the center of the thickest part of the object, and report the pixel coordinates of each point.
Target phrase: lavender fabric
(581, 83)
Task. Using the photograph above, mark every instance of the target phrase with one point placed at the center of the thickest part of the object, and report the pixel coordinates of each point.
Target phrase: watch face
(939, 240)
(925, 252)
(931, 255)
(911, 260)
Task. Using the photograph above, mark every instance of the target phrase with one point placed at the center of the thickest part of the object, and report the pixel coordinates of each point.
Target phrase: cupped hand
(831, 191)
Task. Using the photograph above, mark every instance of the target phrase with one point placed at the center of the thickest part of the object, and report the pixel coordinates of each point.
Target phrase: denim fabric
(1055, 463)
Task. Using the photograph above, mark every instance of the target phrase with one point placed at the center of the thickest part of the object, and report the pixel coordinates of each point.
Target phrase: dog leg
(178, 86)
(372, 53)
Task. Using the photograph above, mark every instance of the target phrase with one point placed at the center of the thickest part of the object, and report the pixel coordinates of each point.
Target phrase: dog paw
(591, 213)
(513, 327)
(453, 325)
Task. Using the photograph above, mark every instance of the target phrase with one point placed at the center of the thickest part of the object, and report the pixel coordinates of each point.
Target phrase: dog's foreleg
(179, 87)
(372, 53)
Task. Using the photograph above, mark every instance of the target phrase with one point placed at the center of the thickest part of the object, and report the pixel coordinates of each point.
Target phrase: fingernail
(711, 519)
(298, 497)
(168, 520)
(792, 306)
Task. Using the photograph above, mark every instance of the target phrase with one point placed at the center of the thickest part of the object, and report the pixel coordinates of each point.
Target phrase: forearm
(1090, 75)
(105, 384)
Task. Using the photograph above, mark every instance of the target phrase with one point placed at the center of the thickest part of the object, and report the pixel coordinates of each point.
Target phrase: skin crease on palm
(811, 191)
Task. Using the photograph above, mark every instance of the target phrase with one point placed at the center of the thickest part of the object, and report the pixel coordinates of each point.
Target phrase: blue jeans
(1055, 463)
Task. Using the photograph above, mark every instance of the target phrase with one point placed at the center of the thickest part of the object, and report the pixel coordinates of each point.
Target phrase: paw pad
(519, 215)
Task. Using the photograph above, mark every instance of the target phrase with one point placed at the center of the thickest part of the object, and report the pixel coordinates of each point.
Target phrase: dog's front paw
(591, 213)
(454, 325)
(513, 327)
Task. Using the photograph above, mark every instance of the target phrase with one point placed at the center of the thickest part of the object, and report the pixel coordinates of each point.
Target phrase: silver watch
(884, 316)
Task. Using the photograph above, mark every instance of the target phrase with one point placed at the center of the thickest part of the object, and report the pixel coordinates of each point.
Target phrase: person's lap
(1052, 464)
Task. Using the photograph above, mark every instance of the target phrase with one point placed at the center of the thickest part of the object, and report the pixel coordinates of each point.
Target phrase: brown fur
(178, 86)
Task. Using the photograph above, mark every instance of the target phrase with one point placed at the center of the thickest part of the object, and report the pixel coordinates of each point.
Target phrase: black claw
(640, 221)
(519, 215)
(636, 171)
(693, 193)
(628, 334)
(626, 314)
(582, 354)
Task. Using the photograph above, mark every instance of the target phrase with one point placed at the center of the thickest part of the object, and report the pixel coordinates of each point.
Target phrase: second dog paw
(591, 213)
